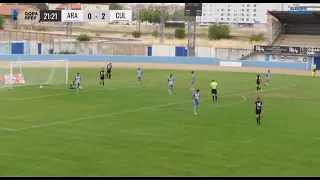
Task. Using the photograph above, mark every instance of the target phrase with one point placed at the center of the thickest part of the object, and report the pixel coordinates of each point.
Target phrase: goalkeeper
(73, 85)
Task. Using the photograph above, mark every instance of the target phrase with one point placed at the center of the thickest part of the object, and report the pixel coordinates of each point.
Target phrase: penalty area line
(65, 94)
(132, 110)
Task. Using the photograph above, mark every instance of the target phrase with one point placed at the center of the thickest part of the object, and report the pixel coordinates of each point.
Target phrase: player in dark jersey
(102, 76)
(109, 67)
(258, 82)
(258, 110)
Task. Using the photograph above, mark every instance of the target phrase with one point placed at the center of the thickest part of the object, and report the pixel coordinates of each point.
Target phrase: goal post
(51, 72)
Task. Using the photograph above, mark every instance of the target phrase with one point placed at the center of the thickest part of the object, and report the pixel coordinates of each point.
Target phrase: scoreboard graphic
(193, 9)
(85, 16)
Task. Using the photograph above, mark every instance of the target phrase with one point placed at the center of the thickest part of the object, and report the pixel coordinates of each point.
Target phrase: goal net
(48, 72)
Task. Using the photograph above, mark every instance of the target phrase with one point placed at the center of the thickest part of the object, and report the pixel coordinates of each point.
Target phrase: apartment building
(236, 13)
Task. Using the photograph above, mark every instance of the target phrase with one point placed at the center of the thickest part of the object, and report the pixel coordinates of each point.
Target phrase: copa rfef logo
(30, 15)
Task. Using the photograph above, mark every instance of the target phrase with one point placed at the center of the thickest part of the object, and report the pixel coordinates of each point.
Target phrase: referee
(214, 91)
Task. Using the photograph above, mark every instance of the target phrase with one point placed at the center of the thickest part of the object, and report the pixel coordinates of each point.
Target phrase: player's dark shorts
(214, 91)
(101, 77)
(108, 70)
(258, 111)
(258, 82)
(314, 70)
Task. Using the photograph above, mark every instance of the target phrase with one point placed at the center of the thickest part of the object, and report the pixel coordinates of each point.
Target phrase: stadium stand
(286, 29)
(296, 29)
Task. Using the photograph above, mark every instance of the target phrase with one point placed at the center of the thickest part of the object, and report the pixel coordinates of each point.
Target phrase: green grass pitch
(129, 130)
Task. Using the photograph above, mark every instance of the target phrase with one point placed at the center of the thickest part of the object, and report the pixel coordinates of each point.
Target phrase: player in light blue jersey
(196, 101)
(139, 76)
(193, 79)
(267, 79)
(77, 79)
(170, 84)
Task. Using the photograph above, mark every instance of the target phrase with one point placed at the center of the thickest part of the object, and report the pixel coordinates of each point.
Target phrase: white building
(237, 13)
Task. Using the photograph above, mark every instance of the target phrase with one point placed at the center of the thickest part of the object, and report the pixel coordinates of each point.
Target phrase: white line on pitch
(64, 94)
(133, 110)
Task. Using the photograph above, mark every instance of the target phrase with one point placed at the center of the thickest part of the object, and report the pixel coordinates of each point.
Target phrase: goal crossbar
(22, 62)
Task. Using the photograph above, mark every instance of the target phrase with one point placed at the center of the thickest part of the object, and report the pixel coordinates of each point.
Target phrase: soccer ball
(40, 86)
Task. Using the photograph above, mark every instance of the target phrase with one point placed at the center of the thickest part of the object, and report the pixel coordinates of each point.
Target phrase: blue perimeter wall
(153, 59)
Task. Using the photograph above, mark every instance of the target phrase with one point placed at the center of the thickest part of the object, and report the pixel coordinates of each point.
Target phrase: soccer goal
(47, 72)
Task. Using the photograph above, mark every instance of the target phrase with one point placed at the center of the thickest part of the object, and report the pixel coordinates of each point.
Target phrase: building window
(222, 10)
(217, 10)
(254, 5)
(210, 14)
(221, 19)
(235, 19)
(254, 19)
(254, 15)
(235, 14)
(254, 10)
(247, 19)
(248, 5)
(242, 14)
(228, 19)
(228, 10)
(204, 14)
(242, 5)
(222, 14)
(228, 14)
(248, 10)
(242, 10)
(248, 14)
(210, 5)
(242, 19)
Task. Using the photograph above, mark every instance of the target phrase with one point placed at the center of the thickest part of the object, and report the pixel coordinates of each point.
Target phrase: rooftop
(288, 18)
(6, 9)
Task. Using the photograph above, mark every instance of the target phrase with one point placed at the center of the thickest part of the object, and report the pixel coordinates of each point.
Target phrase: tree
(152, 16)
(1, 21)
(179, 16)
(42, 6)
(83, 37)
(115, 6)
(180, 33)
(218, 32)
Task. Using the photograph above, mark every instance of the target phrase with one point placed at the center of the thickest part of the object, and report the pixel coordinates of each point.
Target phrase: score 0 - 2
(95, 16)
(50, 15)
